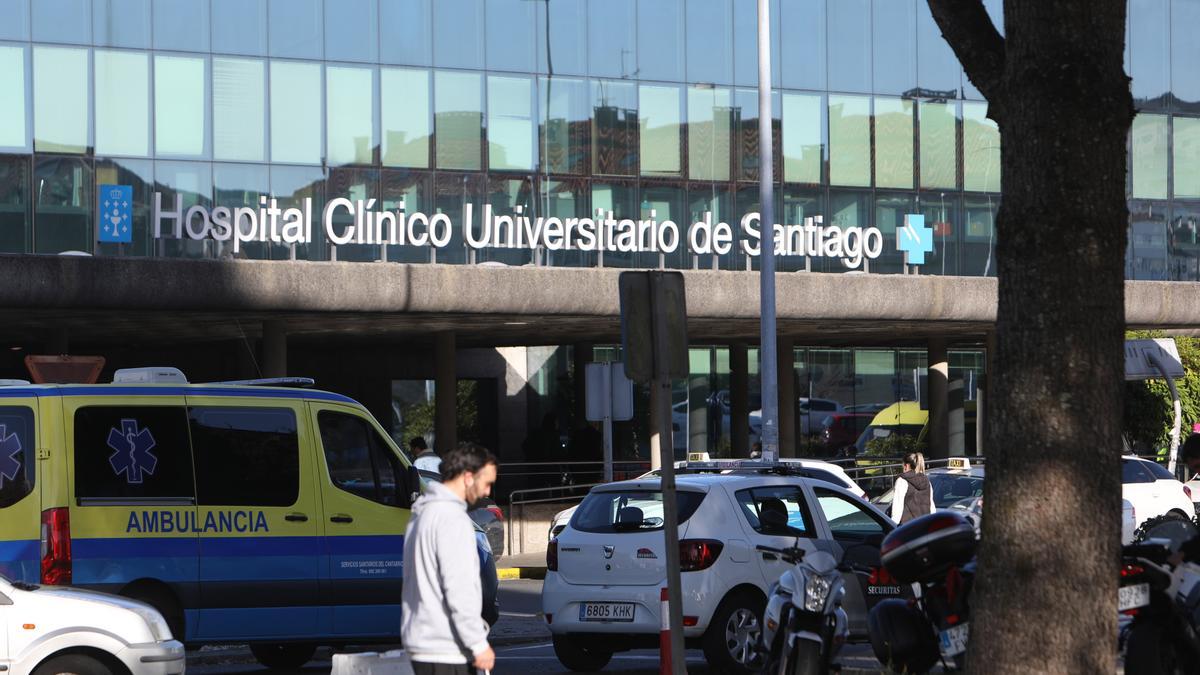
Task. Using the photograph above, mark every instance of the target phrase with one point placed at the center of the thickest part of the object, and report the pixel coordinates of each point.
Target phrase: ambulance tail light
(56, 547)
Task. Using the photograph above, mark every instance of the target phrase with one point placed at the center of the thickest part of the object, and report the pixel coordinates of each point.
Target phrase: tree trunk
(1045, 597)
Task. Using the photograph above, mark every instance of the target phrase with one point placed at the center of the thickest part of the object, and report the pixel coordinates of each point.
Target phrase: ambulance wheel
(73, 664)
(285, 657)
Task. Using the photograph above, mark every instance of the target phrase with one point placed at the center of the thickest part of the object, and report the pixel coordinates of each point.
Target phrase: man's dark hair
(466, 457)
(418, 443)
(1191, 447)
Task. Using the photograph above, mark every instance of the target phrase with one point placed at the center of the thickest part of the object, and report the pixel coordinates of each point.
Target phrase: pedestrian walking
(424, 458)
(913, 495)
(442, 626)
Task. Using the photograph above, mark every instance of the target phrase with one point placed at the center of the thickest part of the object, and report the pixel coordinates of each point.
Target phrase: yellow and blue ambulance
(265, 514)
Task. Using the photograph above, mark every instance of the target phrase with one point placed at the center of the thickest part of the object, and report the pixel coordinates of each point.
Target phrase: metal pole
(662, 386)
(768, 377)
(608, 412)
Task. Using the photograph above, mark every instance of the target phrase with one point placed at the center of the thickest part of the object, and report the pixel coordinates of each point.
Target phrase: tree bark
(1045, 596)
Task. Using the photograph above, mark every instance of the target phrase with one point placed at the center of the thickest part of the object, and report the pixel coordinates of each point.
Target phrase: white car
(812, 411)
(59, 629)
(605, 571)
(808, 468)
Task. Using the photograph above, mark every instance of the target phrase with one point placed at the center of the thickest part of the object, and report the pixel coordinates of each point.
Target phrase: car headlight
(816, 591)
(159, 629)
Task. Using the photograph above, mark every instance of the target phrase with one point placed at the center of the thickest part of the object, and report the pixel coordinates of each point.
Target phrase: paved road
(525, 646)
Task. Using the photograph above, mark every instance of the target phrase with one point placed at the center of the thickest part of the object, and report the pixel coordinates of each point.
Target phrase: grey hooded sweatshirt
(442, 597)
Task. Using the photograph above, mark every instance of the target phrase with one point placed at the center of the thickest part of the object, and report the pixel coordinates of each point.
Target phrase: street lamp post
(768, 375)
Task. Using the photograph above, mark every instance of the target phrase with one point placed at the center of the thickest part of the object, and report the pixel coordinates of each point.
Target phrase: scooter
(804, 625)
(1164, 603)
(936, 552)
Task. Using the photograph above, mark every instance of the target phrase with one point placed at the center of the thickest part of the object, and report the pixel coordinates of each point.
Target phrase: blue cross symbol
(914, 238)
(10, 449)
(131, 451)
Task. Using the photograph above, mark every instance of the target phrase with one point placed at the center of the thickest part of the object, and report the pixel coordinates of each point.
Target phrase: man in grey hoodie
(442, 626)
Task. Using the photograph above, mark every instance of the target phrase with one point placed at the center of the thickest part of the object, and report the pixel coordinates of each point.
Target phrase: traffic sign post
(654, 341)
(609, 397)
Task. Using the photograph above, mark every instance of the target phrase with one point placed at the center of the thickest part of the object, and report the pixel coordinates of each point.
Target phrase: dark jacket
(917, 497)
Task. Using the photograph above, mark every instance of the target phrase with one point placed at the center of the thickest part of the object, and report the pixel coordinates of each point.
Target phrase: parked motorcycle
(804, 624)
(1164, 603)
(937, 553)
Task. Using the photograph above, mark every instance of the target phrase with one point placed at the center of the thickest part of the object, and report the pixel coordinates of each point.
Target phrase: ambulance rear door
(20, 482)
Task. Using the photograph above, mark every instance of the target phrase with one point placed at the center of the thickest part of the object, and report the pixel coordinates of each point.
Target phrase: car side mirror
(773, 522)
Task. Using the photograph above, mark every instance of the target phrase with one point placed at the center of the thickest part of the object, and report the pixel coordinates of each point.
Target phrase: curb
(511, 573)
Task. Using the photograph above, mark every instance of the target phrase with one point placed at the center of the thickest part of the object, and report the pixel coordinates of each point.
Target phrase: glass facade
(559, 107)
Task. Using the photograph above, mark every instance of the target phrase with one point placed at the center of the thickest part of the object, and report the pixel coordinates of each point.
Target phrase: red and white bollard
(664, 635)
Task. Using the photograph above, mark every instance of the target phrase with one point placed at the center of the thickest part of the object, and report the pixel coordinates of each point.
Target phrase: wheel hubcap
(741, 637)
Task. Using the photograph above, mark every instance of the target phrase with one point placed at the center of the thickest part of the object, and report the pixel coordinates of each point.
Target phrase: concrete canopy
(123, 299)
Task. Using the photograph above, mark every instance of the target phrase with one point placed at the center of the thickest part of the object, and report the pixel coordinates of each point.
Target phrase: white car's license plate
(954, 640)
(1132, 597)
(606, 611)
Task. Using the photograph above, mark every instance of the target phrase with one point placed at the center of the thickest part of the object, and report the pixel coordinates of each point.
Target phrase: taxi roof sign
(958, 463)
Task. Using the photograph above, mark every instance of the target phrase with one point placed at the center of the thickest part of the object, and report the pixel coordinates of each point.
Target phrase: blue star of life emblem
(10, 451)
(132, 455)
(914, 238)
(115, 206)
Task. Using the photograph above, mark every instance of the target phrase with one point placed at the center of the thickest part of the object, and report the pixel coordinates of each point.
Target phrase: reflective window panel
(62, 21)
(61, 90)
(803, 62)
(406, 32)
(452, 192)
(1186, 149)
(511, 38)
(13, 105)
(567, 53)
(296, 112)
(614, 51)
(662, 202)
(239, 27)
(239, 109)
(121, 23)
(660, 118)
(1146, 252)
(745, 42)
(506, 194)
(939, 144)
(799, 204)
(981, 150)
(895, 46)
(181, 25)
(803, 149)
(185, 184)
(978, 240)
(349, 115)
(890, 210)
(850, 140)
(352, 30)
(409, 191)
(710, 57)
(458, 33)
(63, 204)
(458, 120)
(710, 204)
(846, 209)
(510, 123)
(407, 121)
(16, 218)
(941, 213)
(122, 103)
(745, 130)
(180, 106)
(937, 67)
(568, 199)
(565, 125)
(1184, 239)
(614, 128)
(893, 143)
(849, 47)
(619, 198)
(709, 133)
(16, 23)
(1150, 52)
(240, 185)
(355, 185)
(293, 187)
(1185, 54)
(1148, 156)
(296, 28)
(661, 50)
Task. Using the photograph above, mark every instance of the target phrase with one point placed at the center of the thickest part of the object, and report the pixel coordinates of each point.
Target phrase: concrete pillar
(788, 408)
(274, 349)
(445, 394)
(581, 355)
(739, 395)
(939, 370)
(656, 408)
(956, 419)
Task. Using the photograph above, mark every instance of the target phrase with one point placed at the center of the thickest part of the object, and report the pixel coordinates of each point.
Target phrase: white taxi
(606, 569)
(46, 630)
